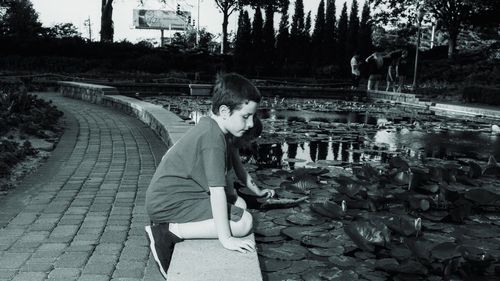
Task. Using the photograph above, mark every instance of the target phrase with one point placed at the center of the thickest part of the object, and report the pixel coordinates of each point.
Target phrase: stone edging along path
(193, 259)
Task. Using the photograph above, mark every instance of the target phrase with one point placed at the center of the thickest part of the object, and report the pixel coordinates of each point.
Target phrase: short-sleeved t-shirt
(179, 189)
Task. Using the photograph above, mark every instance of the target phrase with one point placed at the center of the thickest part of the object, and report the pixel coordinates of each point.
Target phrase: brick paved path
(81, 216)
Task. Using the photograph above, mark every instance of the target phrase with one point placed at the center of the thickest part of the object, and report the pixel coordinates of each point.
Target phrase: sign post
(162, 20)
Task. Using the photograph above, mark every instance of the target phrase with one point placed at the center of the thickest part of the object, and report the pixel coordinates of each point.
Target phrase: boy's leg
(206, 228)
(161, 243)
(240, 202)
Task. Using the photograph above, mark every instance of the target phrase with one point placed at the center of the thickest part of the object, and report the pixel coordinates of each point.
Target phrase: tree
(353, 29)
(243, 41)
(365, 42)
(19, 20)
(283, 37)
(297, 32)
(107, 29)
(342, 31)
(452, 15)
(318, 35)
(329, 36)
(227, 7)
(257, 39)
(63, 30)
(268, 39)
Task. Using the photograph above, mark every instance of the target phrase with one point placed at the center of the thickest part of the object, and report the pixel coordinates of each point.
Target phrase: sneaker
(161, 242)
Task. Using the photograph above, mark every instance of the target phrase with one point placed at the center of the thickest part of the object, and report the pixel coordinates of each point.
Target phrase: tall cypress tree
(318, 35)
(268, 39)
(257, 36)
(353, 33)
(342, 33)
(243, 41)
(297, 32)
(283, 37)
(365, 41)
(329, 37)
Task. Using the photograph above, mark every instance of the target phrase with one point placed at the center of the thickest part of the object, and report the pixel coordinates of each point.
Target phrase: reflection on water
(386, 137)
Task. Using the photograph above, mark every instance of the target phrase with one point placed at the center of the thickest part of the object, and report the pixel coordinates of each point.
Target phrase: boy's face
(241, 119)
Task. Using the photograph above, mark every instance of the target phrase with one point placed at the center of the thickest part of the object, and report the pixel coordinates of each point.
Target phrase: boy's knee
(244, 226)
(240, 202)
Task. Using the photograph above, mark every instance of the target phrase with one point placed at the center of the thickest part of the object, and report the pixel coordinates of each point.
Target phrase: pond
(371, 191)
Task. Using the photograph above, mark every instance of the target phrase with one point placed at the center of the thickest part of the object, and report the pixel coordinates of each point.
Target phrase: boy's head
(234, 103)
(233, 91)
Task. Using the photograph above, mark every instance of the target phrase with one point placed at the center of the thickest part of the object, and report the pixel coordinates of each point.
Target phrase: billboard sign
(161, 19)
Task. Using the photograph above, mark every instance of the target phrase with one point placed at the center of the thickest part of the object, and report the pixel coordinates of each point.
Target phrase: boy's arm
(220, 213)
(245, 177)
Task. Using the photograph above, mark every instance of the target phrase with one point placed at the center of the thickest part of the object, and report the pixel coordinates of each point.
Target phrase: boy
(186, 197)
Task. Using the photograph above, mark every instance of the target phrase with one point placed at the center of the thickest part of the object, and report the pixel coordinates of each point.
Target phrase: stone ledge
(203, 259)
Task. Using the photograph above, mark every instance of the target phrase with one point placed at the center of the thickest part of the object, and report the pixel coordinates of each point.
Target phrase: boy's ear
(224, 111)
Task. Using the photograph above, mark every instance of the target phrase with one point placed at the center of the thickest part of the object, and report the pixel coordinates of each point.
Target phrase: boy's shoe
(161, 242)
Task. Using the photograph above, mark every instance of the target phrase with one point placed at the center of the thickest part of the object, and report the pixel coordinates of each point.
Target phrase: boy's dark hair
(233, 90)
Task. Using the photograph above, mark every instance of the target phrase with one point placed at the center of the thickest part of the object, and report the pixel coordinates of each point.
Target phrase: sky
(52, 12)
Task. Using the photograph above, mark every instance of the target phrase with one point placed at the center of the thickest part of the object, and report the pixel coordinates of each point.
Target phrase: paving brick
(93, 277)
(13, 260)
(134, 253)
(64, 274)
(29, 276)
(101, 264)
(71, 260)
(129, 269)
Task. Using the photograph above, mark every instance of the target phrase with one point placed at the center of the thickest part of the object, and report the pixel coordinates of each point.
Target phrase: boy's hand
(267, 193)
(242, 245)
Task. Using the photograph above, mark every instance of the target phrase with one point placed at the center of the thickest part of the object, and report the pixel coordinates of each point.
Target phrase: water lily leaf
(446, 251)
(329, 209)
(324, 240)
(387, 264)
(398, 163)
(304, 265)
(401, 253)
(267, 228)
(272, 265)
(430, 188)
(298, 232)
(364, 255)
(269, 239)
(277, 213)
(286, 251)
(434, 215)
(305, 218)
(404, 225)
(343, 262)
(481, 196)
(348, 186)
(340, 275)
(278, 276)
(412, 267)
(272, 203)
(475, 170)
(368, 234)
(327, 252)
(420, 249)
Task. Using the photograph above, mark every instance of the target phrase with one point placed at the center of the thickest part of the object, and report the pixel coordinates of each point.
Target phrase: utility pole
(420, 15)
(88, 23)
(198, 26)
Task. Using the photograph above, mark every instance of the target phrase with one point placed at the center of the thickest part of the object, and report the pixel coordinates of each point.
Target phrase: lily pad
(272, 265)
(304, 265)
(324, 240)
(368, 234)
(298, 232)
(343, 262)
(446, 251)
(329, 209)
(327, 252)
(305, 218)
(272, 203)
(267, 228)
(287, 251)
